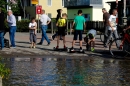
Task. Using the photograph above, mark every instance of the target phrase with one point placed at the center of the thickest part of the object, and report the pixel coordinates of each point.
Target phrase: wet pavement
(67, 71)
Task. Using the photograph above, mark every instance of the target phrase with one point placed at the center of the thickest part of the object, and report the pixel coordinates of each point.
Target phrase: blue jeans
(44, 35)
(2, 39)
(12, 35)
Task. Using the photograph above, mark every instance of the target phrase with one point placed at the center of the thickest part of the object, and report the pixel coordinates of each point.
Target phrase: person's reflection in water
(37, 64)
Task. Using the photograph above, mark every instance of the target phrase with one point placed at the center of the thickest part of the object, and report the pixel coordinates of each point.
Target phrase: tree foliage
(14, 7)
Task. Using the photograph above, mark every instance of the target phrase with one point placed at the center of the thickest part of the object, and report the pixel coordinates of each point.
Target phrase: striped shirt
(11, 20)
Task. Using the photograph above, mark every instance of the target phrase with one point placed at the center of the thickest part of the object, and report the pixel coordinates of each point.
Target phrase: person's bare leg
(34, 44)
(73, 42)
(80, 43)
(31, 45)
(58, 38)
(63, 40)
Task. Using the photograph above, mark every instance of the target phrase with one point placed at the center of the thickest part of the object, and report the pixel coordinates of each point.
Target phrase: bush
(4, 72)
(22, 26)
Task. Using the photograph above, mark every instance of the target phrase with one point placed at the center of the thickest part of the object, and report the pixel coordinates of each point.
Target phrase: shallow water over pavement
(53, 71)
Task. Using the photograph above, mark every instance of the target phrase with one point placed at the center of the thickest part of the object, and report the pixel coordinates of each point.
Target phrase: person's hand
(71, 30)
(124, 30)
(112, 29)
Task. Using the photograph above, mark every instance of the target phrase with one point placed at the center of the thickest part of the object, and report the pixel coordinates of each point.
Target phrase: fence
(98, 25)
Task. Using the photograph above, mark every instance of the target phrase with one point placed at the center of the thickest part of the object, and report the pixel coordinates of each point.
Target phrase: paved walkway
(22, 47)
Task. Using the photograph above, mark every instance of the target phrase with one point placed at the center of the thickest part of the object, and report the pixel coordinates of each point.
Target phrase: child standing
(79, 25)
(33, 31)
(61, 24)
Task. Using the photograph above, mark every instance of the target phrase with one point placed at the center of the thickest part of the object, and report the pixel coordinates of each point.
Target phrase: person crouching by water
(33, 32)
(61, 24)
(90, 39)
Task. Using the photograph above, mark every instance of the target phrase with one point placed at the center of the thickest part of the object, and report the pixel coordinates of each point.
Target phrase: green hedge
(22, 26)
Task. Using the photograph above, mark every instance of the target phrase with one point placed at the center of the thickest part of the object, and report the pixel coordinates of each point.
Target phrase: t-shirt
(93, 32)
(32, 25)
(112, 19)
(106, 17)
(79, 22)
(61, 22)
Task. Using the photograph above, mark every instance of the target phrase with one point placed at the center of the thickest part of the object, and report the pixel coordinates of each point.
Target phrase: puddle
(53, 71)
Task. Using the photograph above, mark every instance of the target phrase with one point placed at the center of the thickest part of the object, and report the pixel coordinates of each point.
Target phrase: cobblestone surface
(22, 47)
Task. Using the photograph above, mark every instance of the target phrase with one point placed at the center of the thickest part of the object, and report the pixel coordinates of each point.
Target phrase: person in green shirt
(79, 25)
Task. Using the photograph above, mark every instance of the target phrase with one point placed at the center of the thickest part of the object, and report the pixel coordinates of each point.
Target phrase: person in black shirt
(2, 29)
(59, 11)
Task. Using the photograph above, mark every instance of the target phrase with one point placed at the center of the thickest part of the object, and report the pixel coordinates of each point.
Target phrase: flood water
(53, 71)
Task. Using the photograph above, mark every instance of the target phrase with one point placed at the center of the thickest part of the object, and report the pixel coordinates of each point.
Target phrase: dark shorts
(33, 37)
(76, 33)
(61, 31)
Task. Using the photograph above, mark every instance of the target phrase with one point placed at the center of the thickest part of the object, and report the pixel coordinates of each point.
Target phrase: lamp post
(124, 10)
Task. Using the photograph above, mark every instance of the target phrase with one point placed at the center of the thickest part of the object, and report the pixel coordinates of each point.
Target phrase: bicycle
(121, 50)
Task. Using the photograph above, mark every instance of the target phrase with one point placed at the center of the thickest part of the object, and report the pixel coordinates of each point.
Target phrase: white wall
(106, 5)
(97, 12)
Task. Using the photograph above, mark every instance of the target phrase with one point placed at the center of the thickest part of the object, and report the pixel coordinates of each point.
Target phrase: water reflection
(68, 72)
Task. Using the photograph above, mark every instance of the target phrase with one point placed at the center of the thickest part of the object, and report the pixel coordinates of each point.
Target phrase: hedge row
(22, 26)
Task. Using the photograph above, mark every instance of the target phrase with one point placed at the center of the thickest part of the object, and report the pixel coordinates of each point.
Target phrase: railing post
(52, 29)
(67, 27)
(70, 28)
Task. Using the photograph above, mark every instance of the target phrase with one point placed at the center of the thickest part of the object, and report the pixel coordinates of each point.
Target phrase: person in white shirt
(12, 27)
(45, 20)
(33, 31)
(112, 30)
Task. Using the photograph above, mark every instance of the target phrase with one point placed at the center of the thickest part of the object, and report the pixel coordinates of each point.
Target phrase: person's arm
(109, 22)
(41, 19)
(57, 22)
(126, 28)
(11, 20)
(103, 18)
(84, 24)
(49, 20)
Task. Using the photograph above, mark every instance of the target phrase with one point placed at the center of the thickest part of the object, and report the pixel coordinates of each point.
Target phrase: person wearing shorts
(90, 38)
(78, 24)
(33, 31)
(61, 24)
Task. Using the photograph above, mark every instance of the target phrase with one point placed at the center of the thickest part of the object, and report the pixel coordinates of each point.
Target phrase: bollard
(52, 28)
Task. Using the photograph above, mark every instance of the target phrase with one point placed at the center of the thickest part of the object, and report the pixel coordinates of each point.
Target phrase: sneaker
(39, 43)
(72, 49)
(105, 46)
(12, 47)
(34, 47)
(48, 44)
(80, 49)
(57, 47)
(65, 47)
(92, 49)
(52, 38)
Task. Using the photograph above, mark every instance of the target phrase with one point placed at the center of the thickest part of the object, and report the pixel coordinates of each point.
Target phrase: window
(49, 2)
(49, 15)
(63, 3)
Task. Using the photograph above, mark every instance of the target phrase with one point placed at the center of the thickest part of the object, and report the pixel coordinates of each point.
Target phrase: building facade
(92, 9)
(51, 6)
